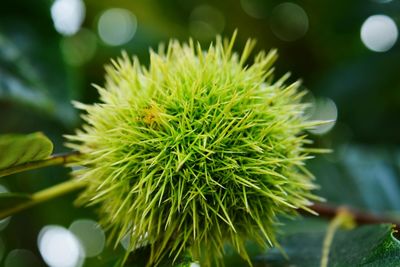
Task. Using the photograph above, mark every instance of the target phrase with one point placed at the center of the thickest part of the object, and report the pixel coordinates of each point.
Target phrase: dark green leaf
(18, 149)
(34, 76)
(372, 245)
(19, 80)
(365, 177)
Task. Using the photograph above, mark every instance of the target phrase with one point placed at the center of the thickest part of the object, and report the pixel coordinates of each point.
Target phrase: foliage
(372, 245)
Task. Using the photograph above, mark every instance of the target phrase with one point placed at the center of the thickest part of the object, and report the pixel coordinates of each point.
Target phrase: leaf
(302, 240)
(16, 149)
(365, 177)
(371, 245)
(8, 200)
(19, 80)
(33, 75)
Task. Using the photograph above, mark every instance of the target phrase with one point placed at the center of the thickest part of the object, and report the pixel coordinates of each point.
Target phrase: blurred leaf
(373, 81)
(33, 74)
(40, 85)
(360, 176)
(8, 200)
(19, 81)
(18, 149)
(372, 245)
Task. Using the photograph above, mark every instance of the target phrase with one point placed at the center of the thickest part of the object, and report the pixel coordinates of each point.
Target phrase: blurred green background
(345, 52)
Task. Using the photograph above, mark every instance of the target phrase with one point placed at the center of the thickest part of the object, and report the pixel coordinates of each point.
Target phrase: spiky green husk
(195, 152)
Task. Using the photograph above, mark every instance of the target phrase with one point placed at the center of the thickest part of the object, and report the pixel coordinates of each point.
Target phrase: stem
(53, 160)
(342, 219)
(44, 195)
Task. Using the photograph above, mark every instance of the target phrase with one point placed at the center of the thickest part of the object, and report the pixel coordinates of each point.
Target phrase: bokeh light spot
(206, 22)
(3, 189)
(117, 26)
(254, 8)
(90, 235)
(4, 222)
(21, 258)
(2, 249)
(289, 22)
(324, 109)
(59, 247)
(68, 15)
(379, 33)
(80, 48)
(126, 241)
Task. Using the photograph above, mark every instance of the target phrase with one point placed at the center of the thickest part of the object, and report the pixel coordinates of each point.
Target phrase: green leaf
(302, 241)
(20, 81)
(16, 149)
(8, 200)
(365, 177)
(371, 245)
(33, 75)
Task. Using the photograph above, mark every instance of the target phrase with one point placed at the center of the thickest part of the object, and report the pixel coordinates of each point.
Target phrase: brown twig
(360, 217)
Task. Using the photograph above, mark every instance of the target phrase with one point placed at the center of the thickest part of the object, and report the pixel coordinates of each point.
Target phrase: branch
(43, 196)
(53, 160)
(360, 217)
